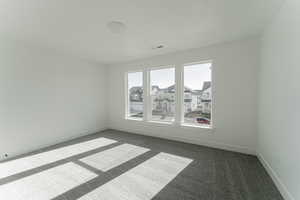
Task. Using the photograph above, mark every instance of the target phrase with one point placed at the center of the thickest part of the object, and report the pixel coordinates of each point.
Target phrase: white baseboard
(279, 184)
(212, 144)
(57, 141)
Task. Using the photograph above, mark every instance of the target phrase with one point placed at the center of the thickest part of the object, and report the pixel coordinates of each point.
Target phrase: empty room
(149, 100)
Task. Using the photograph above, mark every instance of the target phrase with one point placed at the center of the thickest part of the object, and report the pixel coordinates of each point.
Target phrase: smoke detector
(158, 47)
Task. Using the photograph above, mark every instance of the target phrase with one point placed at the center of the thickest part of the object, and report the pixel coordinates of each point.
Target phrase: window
(197, 104)
(162, 96)
(158, 100)
(135, 96)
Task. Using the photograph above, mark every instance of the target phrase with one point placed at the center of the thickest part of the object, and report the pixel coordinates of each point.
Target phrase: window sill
(172, 124)
(134, 119)
(161, 122)
(186, 125)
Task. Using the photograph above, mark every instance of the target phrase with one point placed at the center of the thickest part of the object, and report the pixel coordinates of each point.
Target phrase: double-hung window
(162, 94)
(197, 94)
(160, 98)
(135, 95)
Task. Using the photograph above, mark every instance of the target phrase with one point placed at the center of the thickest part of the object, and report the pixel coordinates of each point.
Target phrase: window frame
(149, 103)
(127, 96)
(179, 96)
(182, 123)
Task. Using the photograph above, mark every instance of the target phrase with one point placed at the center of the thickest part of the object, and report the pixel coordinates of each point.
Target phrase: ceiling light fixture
(116, 27)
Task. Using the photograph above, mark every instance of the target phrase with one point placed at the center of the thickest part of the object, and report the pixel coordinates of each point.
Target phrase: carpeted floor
(121, 165)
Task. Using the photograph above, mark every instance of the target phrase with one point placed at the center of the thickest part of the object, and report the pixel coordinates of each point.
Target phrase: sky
(194, 76)
(135, 79)
(163, 78)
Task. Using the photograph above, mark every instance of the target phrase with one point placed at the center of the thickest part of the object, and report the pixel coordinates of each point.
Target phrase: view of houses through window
(135, 95)
(162, 84)
(197, 94)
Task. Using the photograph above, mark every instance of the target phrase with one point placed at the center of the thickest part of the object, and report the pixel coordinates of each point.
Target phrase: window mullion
(179, 93)
(146, 88)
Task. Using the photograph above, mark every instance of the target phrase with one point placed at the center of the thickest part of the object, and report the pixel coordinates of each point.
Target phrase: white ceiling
(78, 27)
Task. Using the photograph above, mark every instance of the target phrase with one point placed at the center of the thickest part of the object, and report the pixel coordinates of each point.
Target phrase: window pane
(197, 94)
(135, 94)
(162, 86)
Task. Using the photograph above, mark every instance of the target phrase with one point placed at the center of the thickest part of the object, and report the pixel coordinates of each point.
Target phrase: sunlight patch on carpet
(47, 184)
(142, 182)
(114, 157)
(30, 162)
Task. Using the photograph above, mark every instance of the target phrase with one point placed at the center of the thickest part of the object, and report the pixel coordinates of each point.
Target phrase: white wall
(234, 89)
(279, 98)
(46, 98)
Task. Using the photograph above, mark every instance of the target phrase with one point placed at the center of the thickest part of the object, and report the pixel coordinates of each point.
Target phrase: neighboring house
(136, 100)
(192, 100)
(163, 99)
(206, 98)
(206, 101)
(136, 94)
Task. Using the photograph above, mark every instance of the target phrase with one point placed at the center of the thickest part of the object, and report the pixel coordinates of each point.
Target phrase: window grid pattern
(162, 90)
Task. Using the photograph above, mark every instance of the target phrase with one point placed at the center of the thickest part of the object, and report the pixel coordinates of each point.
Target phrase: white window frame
(182, 123)
(127, 97)
(149, 103)
(179, 96)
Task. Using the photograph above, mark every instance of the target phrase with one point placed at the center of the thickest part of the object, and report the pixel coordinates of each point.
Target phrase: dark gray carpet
(213, 175)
